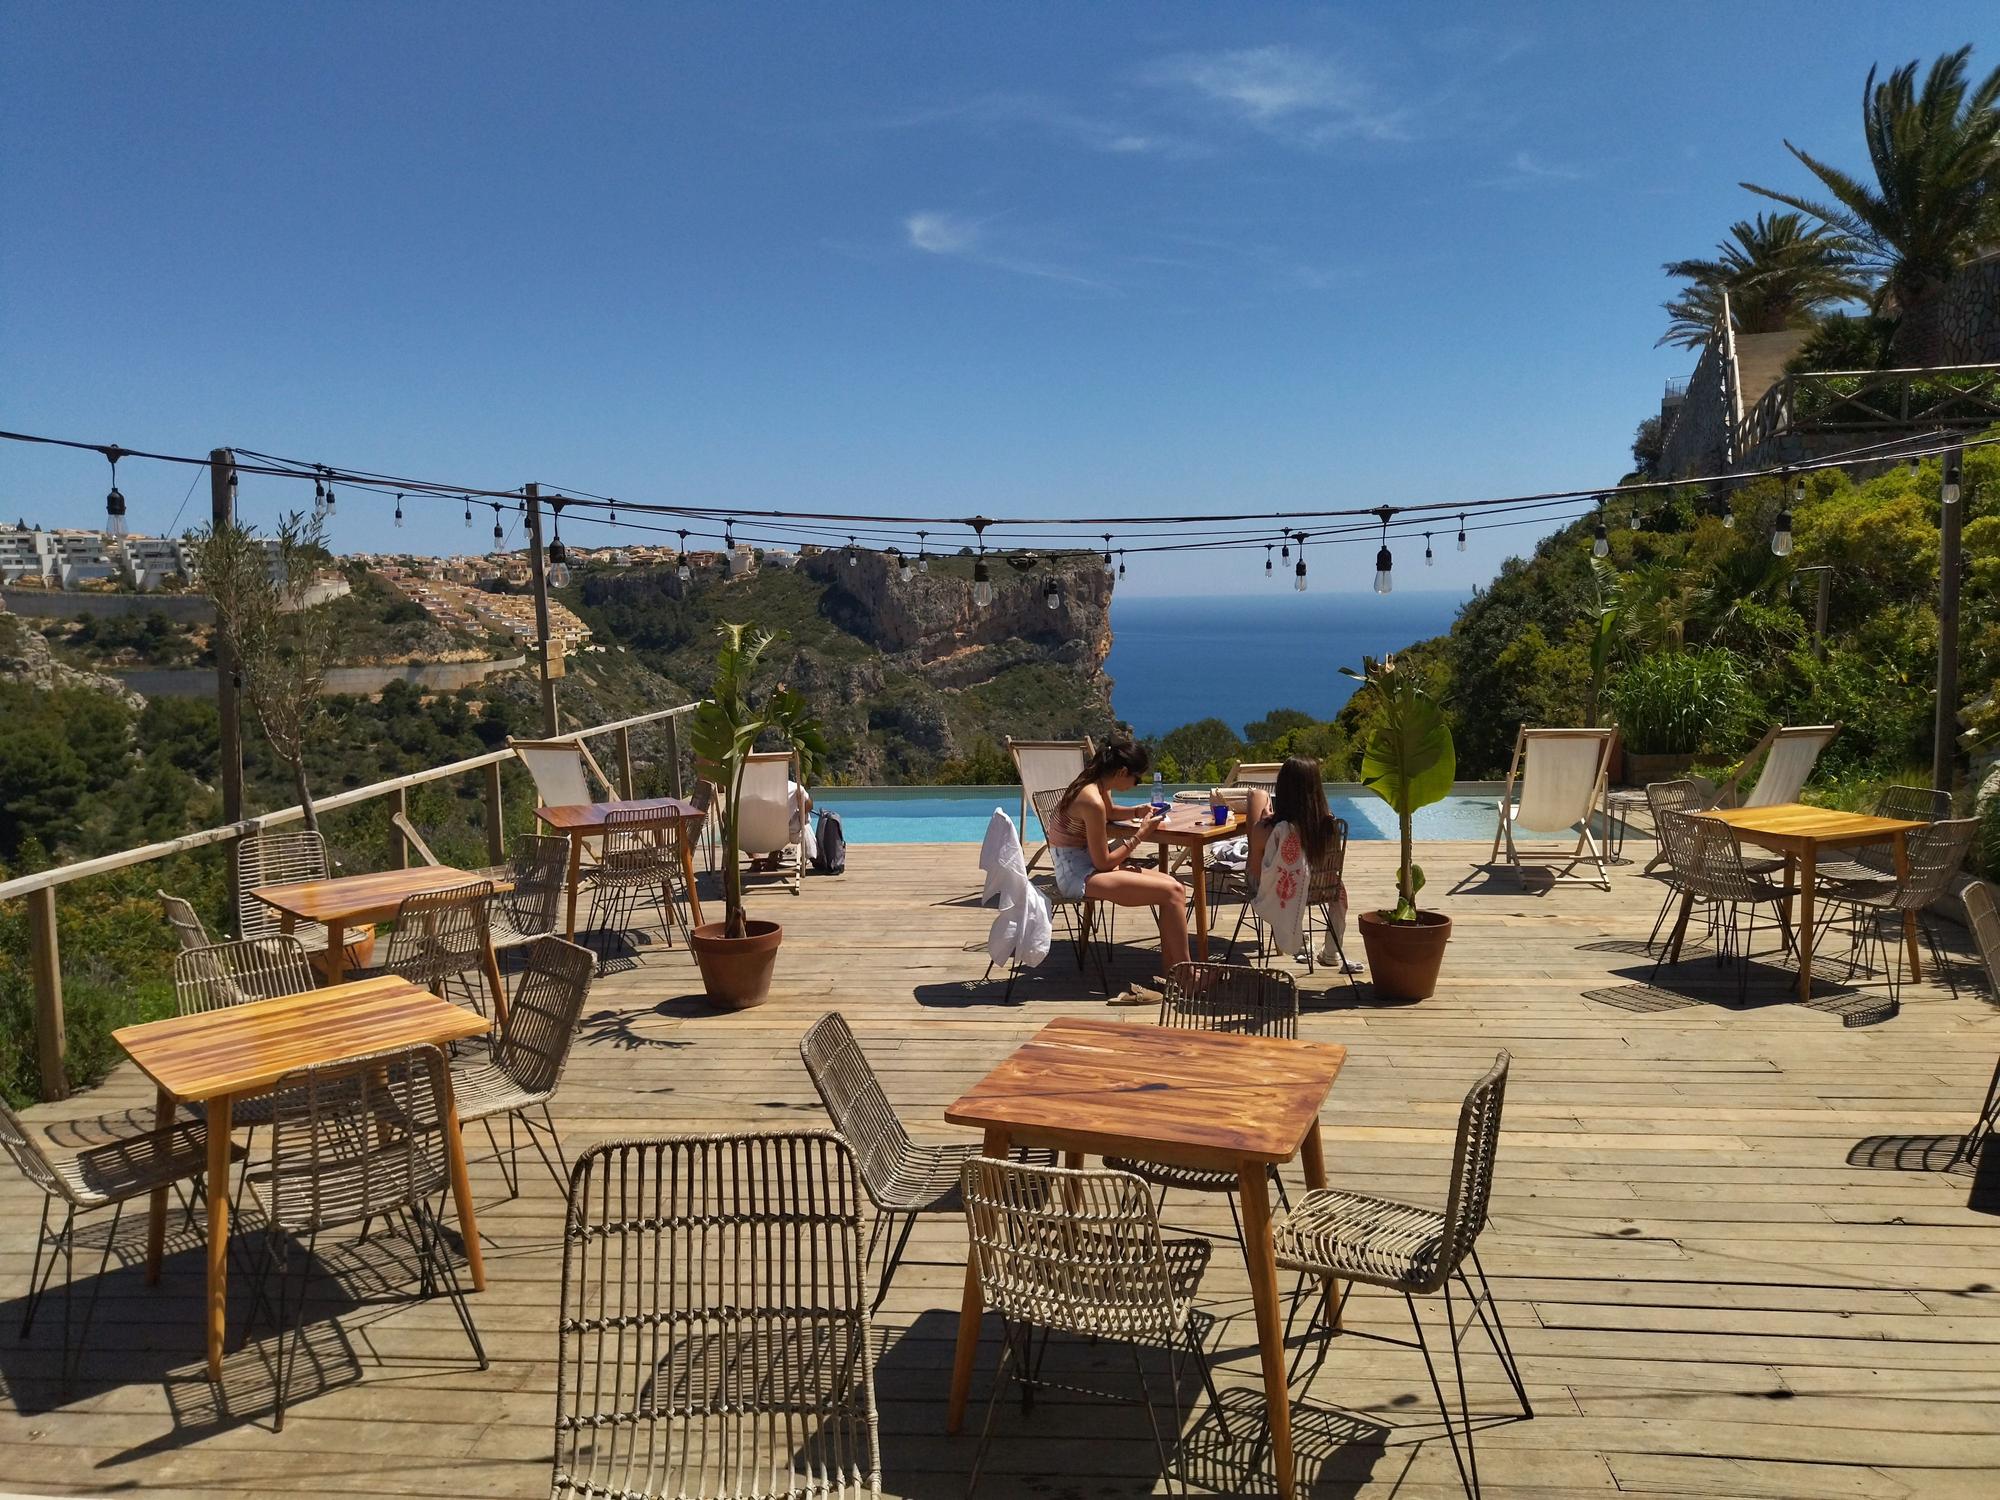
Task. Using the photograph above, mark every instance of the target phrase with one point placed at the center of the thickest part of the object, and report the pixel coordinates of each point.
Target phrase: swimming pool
(959, 814)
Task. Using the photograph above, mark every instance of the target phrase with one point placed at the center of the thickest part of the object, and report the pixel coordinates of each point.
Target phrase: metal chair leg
(892, 1261)
(1470, 1479)
(1982, 1126)
(1496, 1332)
(992, 1403)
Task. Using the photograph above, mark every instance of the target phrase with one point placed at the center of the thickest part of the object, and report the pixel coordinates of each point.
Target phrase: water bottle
(1159, 797)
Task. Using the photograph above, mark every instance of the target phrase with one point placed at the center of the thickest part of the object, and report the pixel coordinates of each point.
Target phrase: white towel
(1282, 887)
(1021, 930)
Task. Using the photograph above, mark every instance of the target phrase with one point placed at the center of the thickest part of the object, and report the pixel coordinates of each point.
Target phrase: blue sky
(938, 259)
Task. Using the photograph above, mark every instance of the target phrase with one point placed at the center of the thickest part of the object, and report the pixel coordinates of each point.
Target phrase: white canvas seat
(1045, 766)
(768, 818)
(1794, 749)
(566, 775)
(1560, 777)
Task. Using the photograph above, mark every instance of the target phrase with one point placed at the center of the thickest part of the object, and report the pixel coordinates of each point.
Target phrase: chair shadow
(1934, 1153)
(1682, 986)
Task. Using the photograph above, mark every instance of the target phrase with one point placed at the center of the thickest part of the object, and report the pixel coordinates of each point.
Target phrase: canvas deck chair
(1794, 749)
(566, 775)
(1045, 766)
(1559, 774)
(768, 820)
(1263, 773)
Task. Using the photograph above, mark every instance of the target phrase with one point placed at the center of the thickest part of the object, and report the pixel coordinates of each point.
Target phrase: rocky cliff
(911, 678)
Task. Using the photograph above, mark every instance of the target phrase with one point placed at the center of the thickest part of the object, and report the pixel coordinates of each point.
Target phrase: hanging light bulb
(1948, 487)
(319, 498)
(1633, 519)
(558, 565)
(1430, 561)
(1108, 569)
(902, 563)
(982, 586)
(683, 572)
(1729, 519)
(612, 519)
(497, 533)
(329, 499)
(1285, 552)
(1781, 535)
(114, 502)
(1916, 464)
(1799, 490)
(1052, 593)
(1384, 563)
(399, 508)
(468, 511)
(1121, 562)
(1461, 533)
(1268, 574)
(923, 556)
(1600, 540)
(853, 558)
(1299, 572)
(729, 536)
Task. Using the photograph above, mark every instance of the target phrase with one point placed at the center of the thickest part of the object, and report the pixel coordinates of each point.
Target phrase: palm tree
(1772, 273)
(1935, 201)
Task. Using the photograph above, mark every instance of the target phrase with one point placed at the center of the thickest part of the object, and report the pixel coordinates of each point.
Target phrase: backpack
(830, 855)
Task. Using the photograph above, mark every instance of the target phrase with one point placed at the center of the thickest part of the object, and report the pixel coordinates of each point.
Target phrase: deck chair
(1560, 774)
(562, 770)
(767, 819)
(1982, 915)
(1794, 749)
(1045, 766)
(1262, 773)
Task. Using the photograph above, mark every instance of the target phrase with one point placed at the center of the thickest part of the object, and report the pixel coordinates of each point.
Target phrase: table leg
(1200, 877)
(217, 1187)
(490, 966)
(970, 1309)
(1313, 1159)
(1902, 847)
(1680, 928)
(336, 951)
(575, 879)
(687, 868)
(1808, 870)
(461, 1192)
(1254, 1184)
(156, 1214)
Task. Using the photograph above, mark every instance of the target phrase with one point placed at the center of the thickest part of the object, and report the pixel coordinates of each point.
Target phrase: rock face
(910, 677)
(25, 657)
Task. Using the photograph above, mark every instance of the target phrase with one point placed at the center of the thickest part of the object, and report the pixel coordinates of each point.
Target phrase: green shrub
(1682, 702)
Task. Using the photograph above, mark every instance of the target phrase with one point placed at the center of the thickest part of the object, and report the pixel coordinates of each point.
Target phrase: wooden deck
(1729, 1261)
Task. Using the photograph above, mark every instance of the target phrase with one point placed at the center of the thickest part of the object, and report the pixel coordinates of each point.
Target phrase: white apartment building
(68, 558)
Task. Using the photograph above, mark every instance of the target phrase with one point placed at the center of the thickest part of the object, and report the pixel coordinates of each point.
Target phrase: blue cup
(1220, 811)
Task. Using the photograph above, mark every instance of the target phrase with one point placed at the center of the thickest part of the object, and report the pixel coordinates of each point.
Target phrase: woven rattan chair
(108, 1176)
(903, 1178)
(1982, 915)
(640, 866)
(186, 922)
(1663, 797)
(1322, 896)
(1873, 863)
(1219, 997)
(714, 1329)
(526, 1064)
(352, 1142)
(441, 936)
(279, 858)
(1079, 1252)
(529, 908)
(1708, 866)
(1341, 1236)
(1080, 914)
(225, 974)
(1934, 854)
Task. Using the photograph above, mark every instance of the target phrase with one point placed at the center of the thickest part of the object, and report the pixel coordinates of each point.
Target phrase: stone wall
(47, 604)
(431, 677)
(1697, 443)
(1969, 315)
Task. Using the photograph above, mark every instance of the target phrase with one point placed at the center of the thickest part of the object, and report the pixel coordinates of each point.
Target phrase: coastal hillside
(912, 680)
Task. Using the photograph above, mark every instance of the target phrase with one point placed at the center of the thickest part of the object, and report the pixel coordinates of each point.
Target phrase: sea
(1175, 660)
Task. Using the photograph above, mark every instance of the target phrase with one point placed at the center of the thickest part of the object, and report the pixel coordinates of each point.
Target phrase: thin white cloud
(941, 233)
(937, 232)
(1529, 170)
(1299, 97)
(1002, 112)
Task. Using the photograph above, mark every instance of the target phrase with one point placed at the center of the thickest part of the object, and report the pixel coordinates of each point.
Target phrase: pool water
(959, 814)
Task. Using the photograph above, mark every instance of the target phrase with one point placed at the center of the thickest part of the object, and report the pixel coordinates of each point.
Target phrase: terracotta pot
(358, 951)
(736, 972)
(1643, 769)
(1404, 957)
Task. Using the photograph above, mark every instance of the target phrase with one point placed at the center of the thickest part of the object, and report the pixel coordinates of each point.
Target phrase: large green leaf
(1409, 761)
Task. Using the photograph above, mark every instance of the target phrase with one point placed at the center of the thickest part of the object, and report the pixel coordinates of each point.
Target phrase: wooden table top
(1189, 825)
(1794, 823)
(1188, 1098)
(247, 1047)
(567, 817)
(372, 897)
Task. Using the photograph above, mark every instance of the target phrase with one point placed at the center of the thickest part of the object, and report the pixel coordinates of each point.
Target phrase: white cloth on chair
(1021, 931)
(1283, 886)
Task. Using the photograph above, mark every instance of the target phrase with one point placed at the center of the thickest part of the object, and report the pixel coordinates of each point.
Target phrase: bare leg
(1153, 888)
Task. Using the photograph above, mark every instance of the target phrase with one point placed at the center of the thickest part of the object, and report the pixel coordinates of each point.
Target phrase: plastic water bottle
(1159, 796)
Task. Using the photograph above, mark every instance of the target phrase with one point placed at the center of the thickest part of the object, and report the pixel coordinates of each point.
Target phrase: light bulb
(1299, 576)
(1384, 565)
(1268, 574)
(114, 509)
(329, 499)
(924, 563)
(1052, 596)
(1799, 490)
(1600, 542)
(1430, 559)
(1729, 519)
(1948, 475)
(1781, 535)
(1108, 568)
(1121, 565)
(468, 513)
(1285, 552)
(982, 588)
(684, 572)
(559, 576)
(852, 560)
(1633, 519)
(1461, 533)
(399, 510)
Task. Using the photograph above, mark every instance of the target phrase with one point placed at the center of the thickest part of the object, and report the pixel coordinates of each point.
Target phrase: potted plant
(1673, 704)
(737, 955)
(1408, 761)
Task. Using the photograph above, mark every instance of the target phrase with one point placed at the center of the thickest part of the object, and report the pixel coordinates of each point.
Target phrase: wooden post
(222, 512)
(496, 832)
(1823, 577)
(675, 786)
(538, 569)
(625, 763)
(51, 1044)
(1945, 728)
(401, 802)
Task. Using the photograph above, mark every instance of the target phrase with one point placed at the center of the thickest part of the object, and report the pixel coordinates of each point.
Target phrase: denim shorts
(1072, 868)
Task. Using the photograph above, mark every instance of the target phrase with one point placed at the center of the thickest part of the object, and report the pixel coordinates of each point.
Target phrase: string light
(1299, 572)
(902, 563)
(114, 503)
(1429, 560)
(923, 555)
(468, 511)
(1461, 533)
(399, 507)
(1385, 580)
(1268, 574)
(1108, 569)
(1052, 593)
(1285, 552)
(729, 536)
(1600, 539)
(497, 533)
(853, 558)
(684, 572)
(1633, 519)
(982, 585)
(1949, 477)
(1121, 562)
(558, 553)
(329, 497)
(613, 519)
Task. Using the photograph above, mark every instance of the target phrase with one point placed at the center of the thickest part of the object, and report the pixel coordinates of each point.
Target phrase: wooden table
(584, 820)
(216, 1056)
(1799, 832)
(1194, 829)
(1213, 1100)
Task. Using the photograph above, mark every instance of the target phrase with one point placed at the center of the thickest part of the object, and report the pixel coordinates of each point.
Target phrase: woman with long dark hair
(1089, 862)
(1299, 798)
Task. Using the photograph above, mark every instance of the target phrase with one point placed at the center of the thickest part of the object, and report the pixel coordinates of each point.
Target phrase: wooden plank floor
(1729, 1261)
